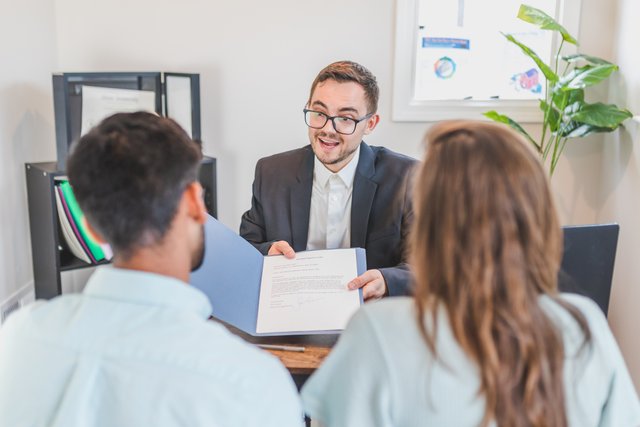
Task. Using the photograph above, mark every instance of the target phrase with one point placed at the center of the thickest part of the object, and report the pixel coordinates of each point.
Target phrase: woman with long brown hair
(487, 339)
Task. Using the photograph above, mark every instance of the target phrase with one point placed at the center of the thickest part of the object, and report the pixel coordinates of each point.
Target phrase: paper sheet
(308, 293)
(179, 101)
(98, 103)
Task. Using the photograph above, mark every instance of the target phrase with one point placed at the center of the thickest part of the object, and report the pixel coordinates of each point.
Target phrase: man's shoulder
(212, 350)
(41, 313)
(223, 346)
(219, 357)
(206, 347)
(257, 377)
(287, 157)
(283, 169)
(387, 167)
(383, 154)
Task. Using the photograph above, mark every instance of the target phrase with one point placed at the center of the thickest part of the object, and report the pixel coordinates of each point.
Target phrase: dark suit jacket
(380, 209)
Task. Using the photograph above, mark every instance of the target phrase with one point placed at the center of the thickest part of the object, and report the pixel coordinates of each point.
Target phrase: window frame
(407, 109)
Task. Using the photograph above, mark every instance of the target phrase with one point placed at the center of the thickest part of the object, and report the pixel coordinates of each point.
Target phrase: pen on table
(281, 347)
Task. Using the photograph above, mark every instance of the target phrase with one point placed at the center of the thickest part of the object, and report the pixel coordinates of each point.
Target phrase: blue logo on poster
(444, 67)
(445, 43)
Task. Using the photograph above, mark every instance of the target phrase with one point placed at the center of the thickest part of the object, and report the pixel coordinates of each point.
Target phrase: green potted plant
(566, 115)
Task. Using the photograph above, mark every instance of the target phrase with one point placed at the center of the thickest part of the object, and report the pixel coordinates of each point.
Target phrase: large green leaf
(501, 118)
(552, 116)
(586, 76)
(562, 98)
(537, 17)
(601, 115)
(588, 58)
(575, 95)
(573, 108)
(582, 130)
(546, 70)
(559, 98)
(567, 77)
(566, 128)
(574, 129)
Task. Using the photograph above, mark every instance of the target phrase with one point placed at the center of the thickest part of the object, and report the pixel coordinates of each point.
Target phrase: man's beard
(198, 253)
(339, 159)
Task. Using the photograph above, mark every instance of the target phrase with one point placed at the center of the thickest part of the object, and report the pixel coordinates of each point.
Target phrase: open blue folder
(230, 275)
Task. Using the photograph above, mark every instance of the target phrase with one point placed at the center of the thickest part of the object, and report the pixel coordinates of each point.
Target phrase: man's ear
(194, 199)
(372, 122)
(92, 231)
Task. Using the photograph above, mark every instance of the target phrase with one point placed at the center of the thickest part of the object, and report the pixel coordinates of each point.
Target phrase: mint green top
(381, 373)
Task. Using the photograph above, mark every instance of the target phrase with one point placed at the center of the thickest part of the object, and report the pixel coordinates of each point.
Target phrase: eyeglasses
(343, 125)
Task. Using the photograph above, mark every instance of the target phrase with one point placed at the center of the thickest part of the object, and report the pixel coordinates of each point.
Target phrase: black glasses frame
(332, 118)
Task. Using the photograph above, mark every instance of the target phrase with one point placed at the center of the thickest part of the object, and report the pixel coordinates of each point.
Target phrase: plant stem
(554, 162)
(547, 148)
(549, 100)
(545, 118)
(558, 140)
(558, 56)
(558, 146)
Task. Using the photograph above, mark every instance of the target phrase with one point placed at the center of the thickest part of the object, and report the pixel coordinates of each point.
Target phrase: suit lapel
(364, 190)
(300, 202)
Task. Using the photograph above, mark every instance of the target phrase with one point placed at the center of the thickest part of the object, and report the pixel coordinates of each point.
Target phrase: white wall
(28, 52)
(599, 177)
(256, 67)
(256, 61)
(620, 187)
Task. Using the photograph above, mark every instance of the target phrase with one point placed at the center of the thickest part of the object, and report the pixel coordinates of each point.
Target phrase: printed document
(274, 295)
(308, 293)
(98, 103)
(179, 101)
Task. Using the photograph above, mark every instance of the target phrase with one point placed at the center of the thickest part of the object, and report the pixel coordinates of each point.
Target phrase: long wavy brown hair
(486, 244)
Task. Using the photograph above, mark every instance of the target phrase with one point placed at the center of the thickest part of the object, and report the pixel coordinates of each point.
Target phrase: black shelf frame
(50, 255)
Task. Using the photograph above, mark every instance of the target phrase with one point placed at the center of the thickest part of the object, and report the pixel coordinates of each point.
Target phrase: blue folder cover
(230, 276)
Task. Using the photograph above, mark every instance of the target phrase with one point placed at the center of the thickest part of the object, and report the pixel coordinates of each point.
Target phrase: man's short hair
(349, 71)
(129, 173)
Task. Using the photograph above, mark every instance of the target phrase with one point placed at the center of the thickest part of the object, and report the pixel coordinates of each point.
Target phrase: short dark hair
(349, 71)
(129, 173)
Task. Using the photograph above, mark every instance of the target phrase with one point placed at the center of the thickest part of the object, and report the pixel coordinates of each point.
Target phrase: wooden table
(302, 362)
(317, 347)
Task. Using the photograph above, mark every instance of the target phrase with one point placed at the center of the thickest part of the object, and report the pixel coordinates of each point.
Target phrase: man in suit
(337, 192)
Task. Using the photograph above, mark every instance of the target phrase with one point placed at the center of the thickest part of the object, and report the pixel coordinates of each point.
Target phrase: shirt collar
(321, 174)
(139, 287)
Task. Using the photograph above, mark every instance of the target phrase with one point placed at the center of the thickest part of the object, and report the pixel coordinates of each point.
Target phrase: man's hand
(372, 283)
(282, 248)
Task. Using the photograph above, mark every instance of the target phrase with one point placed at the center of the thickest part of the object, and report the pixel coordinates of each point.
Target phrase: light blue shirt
(136, 349)
(381, 373)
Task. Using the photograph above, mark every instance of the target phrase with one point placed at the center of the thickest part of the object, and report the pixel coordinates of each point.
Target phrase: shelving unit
(50, 254)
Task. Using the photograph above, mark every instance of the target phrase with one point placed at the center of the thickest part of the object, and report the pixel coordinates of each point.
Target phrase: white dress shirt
(330, 215)
(136, 349)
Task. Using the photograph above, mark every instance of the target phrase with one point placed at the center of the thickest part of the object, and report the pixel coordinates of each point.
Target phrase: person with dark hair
(486, 340)
(135, 348)
(337, 192)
